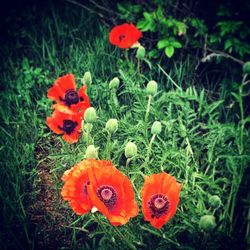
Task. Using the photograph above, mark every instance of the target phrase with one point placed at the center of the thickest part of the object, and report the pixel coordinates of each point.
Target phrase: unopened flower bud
(91, 152)
(214, 201)
(140, 54)
(156, 128)
(207, 223)
(112, 126)
(87, 79)
(151, 87)
(90, 115)
(130, 150)
(246, 68)
(114, 83)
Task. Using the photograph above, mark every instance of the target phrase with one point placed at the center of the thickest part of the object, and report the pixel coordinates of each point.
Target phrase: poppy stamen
(158, 205)
(107, 195)
(71, 97)
(68, 126)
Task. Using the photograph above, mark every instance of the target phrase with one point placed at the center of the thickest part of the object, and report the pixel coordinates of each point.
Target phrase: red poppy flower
(160, 197)
(68, 125)
(67, 98)
(112, 193)
(124, 36)
(74, 189)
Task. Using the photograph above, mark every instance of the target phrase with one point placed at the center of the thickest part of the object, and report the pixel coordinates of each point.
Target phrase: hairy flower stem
(148, 108)
(139, 69)
(88, 128)
(240, 147)
(149, 149)
(96, 217)
(124, 239)
(114, 97)
(108, 147)
(147, 114)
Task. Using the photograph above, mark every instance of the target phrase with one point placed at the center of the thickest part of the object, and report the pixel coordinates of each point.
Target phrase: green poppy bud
(156, 128)
(140, 54)
(87, 79)
(130, 150)
(112, 126)
(90, 115)
(214, 201)
(152, 87)
(207, 223)
(91, 152)
(246, 68)
(114, 83)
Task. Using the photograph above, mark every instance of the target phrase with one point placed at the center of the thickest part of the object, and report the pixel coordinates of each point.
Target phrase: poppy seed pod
(140, 54)
(214, 201)
(114, 83)
(207, 223)
(156, 128)
(130, 150)
(246, 68)
(91, 152)
(112, 126)
(152, 87)
(90, 115)
(87, 78)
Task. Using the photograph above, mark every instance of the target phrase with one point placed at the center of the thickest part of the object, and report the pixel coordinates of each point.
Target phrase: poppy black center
(107, 195)
(71, 97)
(85, 187)
(121, 37)
(68, 126)
(158, 204)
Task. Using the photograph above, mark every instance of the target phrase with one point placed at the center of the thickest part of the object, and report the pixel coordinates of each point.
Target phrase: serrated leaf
(169, 51)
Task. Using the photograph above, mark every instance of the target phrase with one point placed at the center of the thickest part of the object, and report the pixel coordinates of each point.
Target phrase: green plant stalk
(116, 230)
(88, 135)
(108, 150)
(114, 97)
(148, 108)
(124, 239)
(150, 148)
(241, 147)
(139, 68)
(148, 152)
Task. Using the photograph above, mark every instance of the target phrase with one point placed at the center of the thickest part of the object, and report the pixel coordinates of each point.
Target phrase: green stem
(124, 239)
(126, 56)
(241, 148)
(150, 148)
(115, 100)
(108, 146)
(88, 135)
(138, 69)
(148, 108)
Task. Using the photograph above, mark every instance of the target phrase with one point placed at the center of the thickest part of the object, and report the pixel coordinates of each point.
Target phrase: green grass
(202, 142)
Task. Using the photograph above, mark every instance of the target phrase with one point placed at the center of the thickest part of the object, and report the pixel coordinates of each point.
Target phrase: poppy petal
(120, 205)
(75, 187)
(53, 125)
(61, 86)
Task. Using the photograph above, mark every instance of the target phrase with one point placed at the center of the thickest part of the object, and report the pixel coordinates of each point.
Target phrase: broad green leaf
(163, 43)
(147, 23)
(169, 51)
(176, 44)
